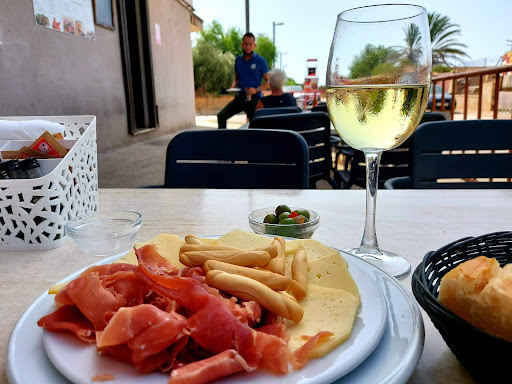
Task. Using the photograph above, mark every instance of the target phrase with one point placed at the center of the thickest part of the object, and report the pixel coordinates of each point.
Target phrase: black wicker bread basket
(487, 358)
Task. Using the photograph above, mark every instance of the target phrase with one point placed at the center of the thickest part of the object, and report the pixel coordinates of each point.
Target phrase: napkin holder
(33, 212)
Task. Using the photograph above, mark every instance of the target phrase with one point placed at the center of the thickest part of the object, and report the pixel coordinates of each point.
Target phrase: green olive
(283, 216)
(303, 212)
(282, 208)
(287, 228)
(271, 219)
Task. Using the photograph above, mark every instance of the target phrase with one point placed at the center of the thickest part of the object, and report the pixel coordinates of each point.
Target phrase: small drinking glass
(101, 234)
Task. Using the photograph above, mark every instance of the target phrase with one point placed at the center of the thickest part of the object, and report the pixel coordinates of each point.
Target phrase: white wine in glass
(378, 80)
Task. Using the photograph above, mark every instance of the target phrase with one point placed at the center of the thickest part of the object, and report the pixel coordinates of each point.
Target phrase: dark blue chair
(315, 127)
(321, 107)
(394, 163)
(275, 111)
(231, 159)
(467, 154)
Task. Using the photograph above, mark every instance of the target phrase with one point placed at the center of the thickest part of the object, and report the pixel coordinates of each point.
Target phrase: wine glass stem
(369, 244)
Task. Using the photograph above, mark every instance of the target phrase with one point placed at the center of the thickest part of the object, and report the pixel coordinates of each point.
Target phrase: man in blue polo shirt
(250, 68)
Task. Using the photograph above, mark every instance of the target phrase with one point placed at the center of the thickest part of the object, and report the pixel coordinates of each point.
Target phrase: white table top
(409, 222)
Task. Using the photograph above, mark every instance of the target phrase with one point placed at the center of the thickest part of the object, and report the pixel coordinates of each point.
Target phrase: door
(135, 38)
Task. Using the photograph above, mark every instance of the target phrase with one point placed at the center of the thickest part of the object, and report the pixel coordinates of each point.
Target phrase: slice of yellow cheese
(325, 309)
(55, 288)
(209, 241)
(330, 272)
(167, 245)
(244, 240)
(314, 249)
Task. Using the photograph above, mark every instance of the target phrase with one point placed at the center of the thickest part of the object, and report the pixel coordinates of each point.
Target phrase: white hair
(276, 78)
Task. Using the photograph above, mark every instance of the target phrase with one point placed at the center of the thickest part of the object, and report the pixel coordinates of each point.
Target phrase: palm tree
(412, 42)
(445, 46)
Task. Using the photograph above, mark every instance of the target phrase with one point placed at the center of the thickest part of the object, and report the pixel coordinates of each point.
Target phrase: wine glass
(378, 81)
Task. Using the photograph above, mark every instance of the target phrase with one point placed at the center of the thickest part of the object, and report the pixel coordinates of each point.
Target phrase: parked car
(448, 99)
(295, 90)
(292, 88)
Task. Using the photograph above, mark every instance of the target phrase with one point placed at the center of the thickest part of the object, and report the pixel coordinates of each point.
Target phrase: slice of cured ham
(94, 300)
(147, 331)
(130, 322)
(300, 355)
(69, 318)
(208, 370)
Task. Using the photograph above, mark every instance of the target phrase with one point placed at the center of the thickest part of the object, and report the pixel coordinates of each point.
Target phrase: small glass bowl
(106, 234)
(299, 231)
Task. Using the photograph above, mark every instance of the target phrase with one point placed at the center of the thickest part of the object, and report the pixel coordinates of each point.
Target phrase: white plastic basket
(33, 212)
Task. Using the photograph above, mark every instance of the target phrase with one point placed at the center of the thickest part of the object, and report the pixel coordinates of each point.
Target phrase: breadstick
(238, 257)
(249, 289)
(299, 284)
(206, 248)
(191, 239)
(297, 290)
(270, 249)
(288, 268)
(280, 240)
(277, 264)
(272, 280)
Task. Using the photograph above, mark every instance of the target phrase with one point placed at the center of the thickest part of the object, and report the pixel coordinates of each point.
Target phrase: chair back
(393, 163)
(233, 159)
(432, 116)
(315, 127)
(275, 111)
(462, 154)
(321, 107)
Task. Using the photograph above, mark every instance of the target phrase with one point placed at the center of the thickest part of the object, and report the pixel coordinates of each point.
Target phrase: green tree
(441, 68)
(443, 35)
(213, 69)
(371, 61)
(267, 49)
(412, 42)
(213, 34)
(233, 41)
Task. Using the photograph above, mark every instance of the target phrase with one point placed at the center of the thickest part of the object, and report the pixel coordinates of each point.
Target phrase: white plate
(233, 90)
(79, 361)
(393, 361)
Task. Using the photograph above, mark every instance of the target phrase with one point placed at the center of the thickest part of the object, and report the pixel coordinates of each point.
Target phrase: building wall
(44, 72)
(172, 65)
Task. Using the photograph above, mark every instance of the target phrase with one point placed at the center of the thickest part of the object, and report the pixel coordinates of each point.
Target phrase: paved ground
(121, 169)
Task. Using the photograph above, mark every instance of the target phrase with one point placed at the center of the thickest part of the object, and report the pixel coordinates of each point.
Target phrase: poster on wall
(68, 16)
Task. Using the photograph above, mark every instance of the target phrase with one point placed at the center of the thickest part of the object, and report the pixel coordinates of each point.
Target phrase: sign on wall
(69, 16)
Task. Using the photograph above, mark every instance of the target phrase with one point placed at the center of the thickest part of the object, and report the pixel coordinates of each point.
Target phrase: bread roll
(495, 313)
(460, 287)
(480, 292)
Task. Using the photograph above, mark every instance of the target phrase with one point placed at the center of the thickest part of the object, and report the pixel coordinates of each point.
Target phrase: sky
(308, 26)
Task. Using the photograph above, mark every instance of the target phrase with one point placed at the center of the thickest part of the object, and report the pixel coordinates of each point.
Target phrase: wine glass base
(391, 263)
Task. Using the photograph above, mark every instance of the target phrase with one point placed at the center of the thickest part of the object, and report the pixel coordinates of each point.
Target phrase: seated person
(277, 98)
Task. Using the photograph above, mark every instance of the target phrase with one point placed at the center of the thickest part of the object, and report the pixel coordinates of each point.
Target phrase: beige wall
(172, 64)
(44, 72)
